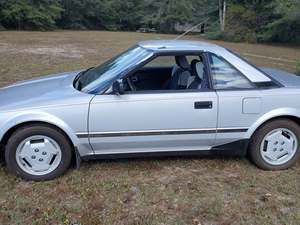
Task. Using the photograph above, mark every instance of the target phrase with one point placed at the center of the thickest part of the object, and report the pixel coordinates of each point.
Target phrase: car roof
(160, 46)
(179, 45)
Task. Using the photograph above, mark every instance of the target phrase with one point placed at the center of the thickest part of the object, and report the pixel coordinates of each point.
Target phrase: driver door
(146, 119)
(152, 122)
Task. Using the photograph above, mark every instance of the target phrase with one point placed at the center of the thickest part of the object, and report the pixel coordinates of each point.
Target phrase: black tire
(26, 131)
(255, 143)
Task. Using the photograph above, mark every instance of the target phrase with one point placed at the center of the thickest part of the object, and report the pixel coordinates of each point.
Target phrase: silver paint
(54, 100)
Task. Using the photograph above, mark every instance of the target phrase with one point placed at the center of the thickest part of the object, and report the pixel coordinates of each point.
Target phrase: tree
(86, 14)
(26, 14)
(165, 14)
(285, 24)
(241, 24)
(237, 20)
(125, 17)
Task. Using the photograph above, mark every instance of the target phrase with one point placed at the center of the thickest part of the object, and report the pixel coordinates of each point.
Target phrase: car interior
(169, 73)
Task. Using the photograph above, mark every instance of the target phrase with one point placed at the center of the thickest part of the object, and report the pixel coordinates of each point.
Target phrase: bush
(1, 27)
(298, 67)
(75, 26)
(238, 35)
(215, 35)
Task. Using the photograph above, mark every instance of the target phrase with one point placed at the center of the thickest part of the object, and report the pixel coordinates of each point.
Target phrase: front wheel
(38, 152)
(275, 146)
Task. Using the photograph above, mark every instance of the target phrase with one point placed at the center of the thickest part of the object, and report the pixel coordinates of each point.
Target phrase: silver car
(157, 98)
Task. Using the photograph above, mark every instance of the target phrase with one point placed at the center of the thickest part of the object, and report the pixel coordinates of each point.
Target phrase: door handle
(203, 105)
(134, 78)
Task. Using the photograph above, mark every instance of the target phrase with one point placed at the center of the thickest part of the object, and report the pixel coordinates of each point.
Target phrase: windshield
(95, 79)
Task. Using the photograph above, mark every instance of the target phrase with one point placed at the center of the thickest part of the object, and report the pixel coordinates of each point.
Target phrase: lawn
(169, 191)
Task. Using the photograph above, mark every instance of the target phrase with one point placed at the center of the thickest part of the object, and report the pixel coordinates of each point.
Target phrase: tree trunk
(19, 25)
(222, 14)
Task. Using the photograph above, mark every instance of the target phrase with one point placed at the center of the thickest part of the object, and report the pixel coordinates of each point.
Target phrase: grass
(166, 191)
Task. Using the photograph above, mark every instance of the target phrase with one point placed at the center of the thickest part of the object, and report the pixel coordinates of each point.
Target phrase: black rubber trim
(266, 84)
(83, 135)
(77, 158)
(237, 148)
(150, 133)
(233, 130)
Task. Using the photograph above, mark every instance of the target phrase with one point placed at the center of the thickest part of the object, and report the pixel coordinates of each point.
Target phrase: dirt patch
(65, 51)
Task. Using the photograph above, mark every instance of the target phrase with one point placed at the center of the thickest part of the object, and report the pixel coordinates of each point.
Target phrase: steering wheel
(131, 84)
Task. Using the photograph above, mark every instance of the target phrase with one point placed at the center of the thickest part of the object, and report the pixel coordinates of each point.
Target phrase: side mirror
(117, 88)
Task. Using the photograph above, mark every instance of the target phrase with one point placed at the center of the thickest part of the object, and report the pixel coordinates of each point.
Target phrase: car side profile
(163, 97)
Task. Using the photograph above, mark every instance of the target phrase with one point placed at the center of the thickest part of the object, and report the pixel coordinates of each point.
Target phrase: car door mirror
(118, 87)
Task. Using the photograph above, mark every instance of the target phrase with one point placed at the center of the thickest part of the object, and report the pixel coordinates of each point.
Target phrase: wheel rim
(279, 146)
(38, 155)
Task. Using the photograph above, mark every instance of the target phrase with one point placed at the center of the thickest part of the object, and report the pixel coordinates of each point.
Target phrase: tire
(43, 146)
(278, 132)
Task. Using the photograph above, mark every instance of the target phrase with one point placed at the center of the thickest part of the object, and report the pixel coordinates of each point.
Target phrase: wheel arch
(14, 123)
(286, 113)
(10, 131)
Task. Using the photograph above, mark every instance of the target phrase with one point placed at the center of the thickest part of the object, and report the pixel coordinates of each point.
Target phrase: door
(158, 121)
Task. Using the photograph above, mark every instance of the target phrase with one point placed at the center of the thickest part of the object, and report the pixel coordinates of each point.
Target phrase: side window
(166, 61)
(225, 76)
(162, 61)
(173, 72)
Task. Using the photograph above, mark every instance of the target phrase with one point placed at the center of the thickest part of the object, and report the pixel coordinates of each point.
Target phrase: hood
(49, 90)
(285, 78)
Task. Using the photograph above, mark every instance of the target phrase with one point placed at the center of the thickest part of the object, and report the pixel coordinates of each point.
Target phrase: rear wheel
(275, 146)
(38, 152)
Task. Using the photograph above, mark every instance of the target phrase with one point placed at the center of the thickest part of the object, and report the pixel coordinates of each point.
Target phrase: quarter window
(225, 76)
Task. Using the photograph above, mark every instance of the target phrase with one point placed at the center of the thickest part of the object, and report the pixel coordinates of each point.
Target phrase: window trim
(168, 91)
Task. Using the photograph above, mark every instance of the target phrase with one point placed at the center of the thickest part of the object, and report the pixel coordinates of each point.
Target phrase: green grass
(140, 192)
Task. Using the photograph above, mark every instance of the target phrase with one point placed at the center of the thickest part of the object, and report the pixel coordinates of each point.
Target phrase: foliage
(165, 14)
(241, 24)
(246, 20)
(1, 27)
(261, 20)
(285, 27)
(87, 14)
(298, 67)
(124, 17)
(26, 14)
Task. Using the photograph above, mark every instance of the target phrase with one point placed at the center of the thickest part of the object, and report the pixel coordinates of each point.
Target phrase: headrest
(197, 68)
(182, 62)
